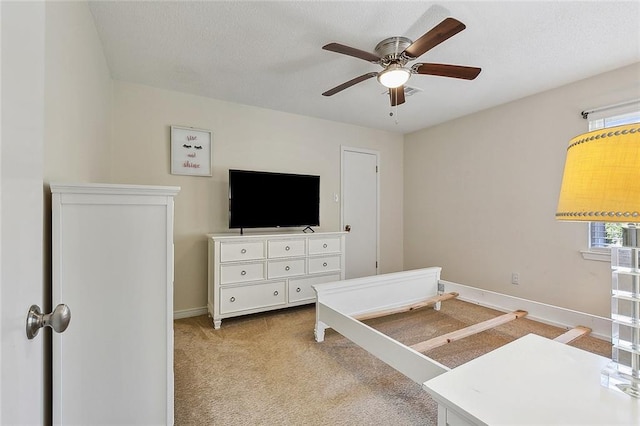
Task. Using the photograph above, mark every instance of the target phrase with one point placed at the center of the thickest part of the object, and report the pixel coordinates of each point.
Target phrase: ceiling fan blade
(445, 70)
(349, 83)
(351, 51)
(396, 95)
(441, 32)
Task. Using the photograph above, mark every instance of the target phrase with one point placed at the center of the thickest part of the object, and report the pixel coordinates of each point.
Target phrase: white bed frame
(339, 303)
(343, 305)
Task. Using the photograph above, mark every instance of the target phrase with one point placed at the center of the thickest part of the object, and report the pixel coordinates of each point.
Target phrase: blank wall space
(481, 192)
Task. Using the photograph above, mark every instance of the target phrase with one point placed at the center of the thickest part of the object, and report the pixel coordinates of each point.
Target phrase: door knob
(347, 228)
(58, 320)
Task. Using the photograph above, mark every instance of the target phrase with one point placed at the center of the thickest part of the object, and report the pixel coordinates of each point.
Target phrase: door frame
(343, 150)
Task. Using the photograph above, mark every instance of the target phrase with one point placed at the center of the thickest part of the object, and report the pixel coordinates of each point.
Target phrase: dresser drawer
(241, 272)
(245, 250)
(285, 268)
(324, 264)
(285, 248)
(324, 245)
(244, 298)
(300, 288)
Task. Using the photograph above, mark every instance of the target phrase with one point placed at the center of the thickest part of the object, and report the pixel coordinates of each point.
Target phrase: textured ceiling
(269, 53)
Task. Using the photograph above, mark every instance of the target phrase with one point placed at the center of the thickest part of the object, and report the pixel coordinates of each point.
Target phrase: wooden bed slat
(573, 334)
(467, 331)
(425, 303)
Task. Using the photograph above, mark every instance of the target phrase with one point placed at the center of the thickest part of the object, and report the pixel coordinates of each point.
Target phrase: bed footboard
(338, 303)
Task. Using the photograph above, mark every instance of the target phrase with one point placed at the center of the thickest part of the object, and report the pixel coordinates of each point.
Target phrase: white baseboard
(188, 313)
(547, 314)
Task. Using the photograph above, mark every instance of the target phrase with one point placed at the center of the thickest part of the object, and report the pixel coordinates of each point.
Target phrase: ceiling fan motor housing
(391, 50)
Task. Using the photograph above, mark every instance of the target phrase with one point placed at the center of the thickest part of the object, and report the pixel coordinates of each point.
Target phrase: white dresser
(259, 272)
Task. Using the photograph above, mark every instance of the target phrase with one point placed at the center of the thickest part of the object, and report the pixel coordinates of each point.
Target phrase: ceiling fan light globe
(394, 76)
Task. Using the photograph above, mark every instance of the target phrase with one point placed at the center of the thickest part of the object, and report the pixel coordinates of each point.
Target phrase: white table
(531, 381)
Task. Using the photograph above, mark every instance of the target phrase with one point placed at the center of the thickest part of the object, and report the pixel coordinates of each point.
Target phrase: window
(604, 235)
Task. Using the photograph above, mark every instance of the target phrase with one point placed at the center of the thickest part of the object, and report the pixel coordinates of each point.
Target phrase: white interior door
(360, 211)
(21, 223)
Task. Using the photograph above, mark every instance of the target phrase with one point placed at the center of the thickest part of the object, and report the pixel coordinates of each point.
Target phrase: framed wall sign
(190, 151)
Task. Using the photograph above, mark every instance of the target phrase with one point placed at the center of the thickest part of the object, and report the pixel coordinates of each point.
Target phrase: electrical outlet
(515, 278)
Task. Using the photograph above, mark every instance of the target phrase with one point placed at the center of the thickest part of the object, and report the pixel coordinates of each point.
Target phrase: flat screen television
(265, 199)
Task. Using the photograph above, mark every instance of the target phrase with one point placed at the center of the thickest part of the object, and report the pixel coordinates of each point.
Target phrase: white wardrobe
(112, 262)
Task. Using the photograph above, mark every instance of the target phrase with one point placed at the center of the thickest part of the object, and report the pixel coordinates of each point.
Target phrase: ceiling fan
(393, 54)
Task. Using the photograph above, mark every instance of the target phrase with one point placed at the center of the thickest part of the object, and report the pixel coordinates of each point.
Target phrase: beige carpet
(267, 369)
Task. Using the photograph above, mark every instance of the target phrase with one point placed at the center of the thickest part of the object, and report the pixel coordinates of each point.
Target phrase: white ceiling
(269, 53)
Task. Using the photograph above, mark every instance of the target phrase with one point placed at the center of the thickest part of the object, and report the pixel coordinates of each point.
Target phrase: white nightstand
(531, 381)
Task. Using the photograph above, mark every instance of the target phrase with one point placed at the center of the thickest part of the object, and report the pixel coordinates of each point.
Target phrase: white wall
(481, 192)
(77, 97)
(247, 138)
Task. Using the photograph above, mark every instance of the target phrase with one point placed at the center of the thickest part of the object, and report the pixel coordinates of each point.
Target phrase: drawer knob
(324, 245)
(275, 293)
(324, 264)
(243, 251)
(243, 273)
(287, 248)
(233, 299)
(286, 268)
(298, 290)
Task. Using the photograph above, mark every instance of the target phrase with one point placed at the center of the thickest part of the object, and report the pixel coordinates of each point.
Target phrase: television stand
(309, 228)
(260, 272)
